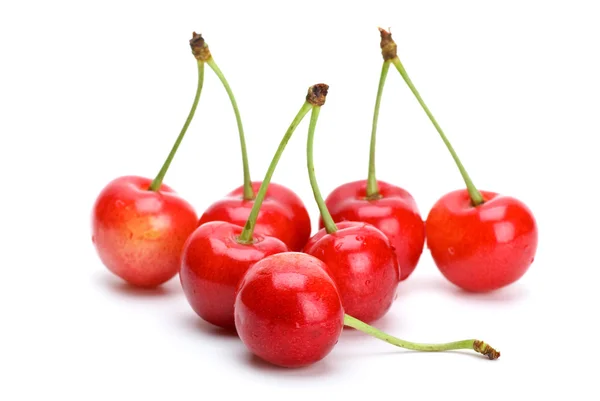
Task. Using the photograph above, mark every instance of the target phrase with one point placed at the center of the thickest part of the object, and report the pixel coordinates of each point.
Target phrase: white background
(93, 90)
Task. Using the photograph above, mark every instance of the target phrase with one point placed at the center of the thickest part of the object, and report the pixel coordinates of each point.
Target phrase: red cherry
(288, 312)
(138, 233)
(139, 225)
(218, 253)
(480, 241)
(282, 215)
(394, 212)
(363, 265)
(213, 264)
(481, 248)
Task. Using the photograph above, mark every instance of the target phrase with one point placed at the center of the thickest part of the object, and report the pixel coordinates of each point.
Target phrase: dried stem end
(199, 47)
(389, 50)
(485, 349)
(317, 94)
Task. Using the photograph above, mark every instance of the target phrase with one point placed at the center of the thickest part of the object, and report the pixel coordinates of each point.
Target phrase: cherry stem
(157, 182)
(476, 345)
(475, 195)
(246, 235)
(372, 187)
(389, 50)
(248, 191)
(327, 219)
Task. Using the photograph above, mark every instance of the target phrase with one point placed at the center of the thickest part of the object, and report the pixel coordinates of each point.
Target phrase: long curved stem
(475, 195)
(248, 192)
(246, 235)
(372, 187)
(327, 219)
(157, 182)
(476, 345)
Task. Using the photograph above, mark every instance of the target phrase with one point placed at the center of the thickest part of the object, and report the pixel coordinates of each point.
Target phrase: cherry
(283, 214)
(360, 257)
(485, 247)
(218, 253)
(390, 208)
(139, 225)
(480, 240)
(288, 312)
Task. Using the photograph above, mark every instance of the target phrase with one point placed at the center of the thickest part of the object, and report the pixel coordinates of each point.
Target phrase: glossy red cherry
(480, 241)
(213, 263)
(138, 233)
(139, 225)
(363, 265)
(288, 310)
(481, 248)
(289, 313)
(218, 253)
(360, 257)
(282, 215)
(394, 212)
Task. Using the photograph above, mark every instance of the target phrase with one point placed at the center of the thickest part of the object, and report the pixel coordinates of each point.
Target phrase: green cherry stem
(326, 216)
(372, 187)
(248, 192)
(476, 345)
(246, 235)
(387, 44)
(157, 182)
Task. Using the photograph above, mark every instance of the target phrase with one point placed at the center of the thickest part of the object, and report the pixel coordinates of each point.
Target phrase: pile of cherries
(249, 263)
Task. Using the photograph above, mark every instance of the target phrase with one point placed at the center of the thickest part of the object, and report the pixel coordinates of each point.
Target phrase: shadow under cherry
(120, 287)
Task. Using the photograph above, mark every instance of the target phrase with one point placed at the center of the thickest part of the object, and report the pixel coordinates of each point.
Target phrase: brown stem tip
(389, 50)
(485, 349)
(317, 94)
(199, 47)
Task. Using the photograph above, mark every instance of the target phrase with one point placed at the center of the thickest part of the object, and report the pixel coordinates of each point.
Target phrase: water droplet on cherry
(451, 250)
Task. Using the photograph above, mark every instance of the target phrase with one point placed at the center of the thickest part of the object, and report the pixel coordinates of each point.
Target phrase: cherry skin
(481, 248)
(288, 310)
(282, 215)
(395, 213)
(363, 265)
(214, 262)
(138, 233)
